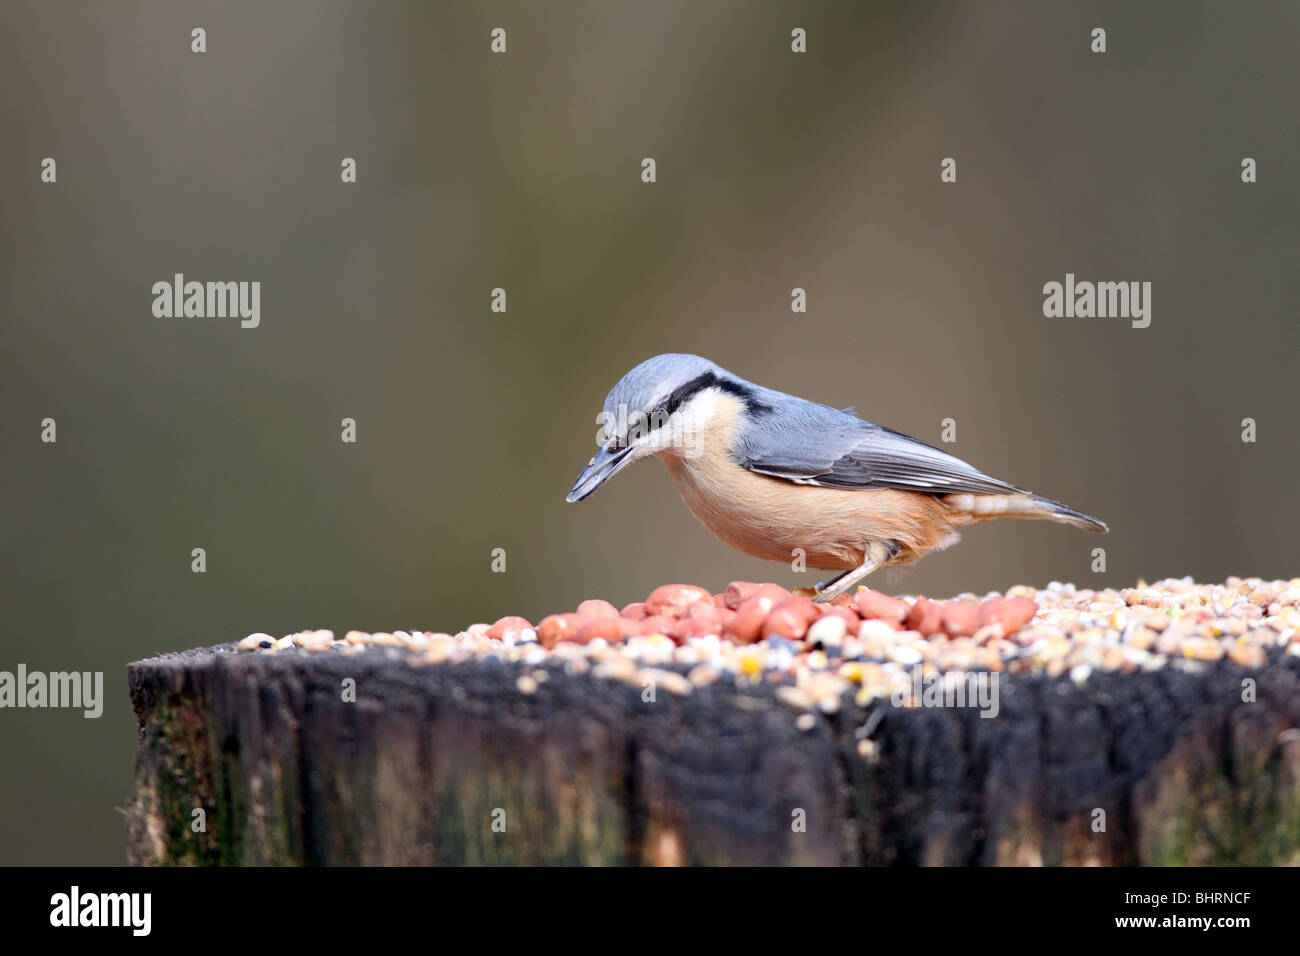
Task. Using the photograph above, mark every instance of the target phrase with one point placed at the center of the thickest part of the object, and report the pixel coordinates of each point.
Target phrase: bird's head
(661, 407)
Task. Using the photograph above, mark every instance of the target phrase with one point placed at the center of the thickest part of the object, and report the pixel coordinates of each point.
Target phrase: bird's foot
(840, 584)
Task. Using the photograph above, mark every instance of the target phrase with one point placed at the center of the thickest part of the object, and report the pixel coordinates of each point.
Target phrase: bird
(777, 476)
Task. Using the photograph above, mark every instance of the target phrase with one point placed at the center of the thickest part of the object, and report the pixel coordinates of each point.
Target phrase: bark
(452, 764)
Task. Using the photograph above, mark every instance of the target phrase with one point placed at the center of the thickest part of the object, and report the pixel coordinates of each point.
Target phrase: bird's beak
(599, 470)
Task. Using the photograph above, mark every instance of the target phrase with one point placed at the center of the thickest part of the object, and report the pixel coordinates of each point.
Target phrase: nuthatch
(769, 473)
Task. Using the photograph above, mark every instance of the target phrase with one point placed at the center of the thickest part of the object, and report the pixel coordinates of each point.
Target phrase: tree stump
(455, 764)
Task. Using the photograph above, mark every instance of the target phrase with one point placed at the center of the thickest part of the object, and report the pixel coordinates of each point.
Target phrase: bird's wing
(817, 445)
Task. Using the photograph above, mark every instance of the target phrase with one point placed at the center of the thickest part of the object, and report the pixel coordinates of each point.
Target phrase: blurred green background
(522, 171)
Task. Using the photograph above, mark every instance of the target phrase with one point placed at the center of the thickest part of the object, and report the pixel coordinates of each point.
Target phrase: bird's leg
(823, 585)
(847, 579)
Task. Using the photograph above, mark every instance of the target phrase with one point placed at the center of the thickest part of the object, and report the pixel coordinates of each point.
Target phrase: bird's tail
(971, 508)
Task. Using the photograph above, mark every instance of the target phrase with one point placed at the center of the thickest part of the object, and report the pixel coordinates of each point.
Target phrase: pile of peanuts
(746, 612)
(682, 637)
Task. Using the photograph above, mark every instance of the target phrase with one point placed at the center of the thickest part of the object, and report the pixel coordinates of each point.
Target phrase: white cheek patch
(685, 428)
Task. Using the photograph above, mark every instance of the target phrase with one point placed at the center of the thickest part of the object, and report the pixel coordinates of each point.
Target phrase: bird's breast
(778, 520)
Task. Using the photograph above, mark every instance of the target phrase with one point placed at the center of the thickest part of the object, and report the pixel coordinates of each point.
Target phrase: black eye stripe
(684, 393)
(661, 410)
